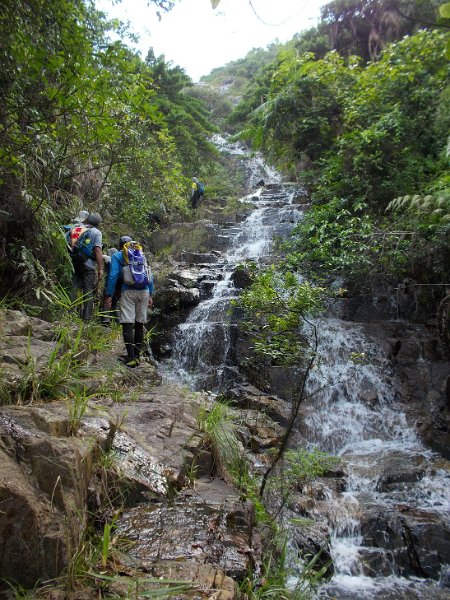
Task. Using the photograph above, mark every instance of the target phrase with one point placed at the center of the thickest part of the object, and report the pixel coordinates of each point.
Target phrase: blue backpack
(201, 188)
(136, 271)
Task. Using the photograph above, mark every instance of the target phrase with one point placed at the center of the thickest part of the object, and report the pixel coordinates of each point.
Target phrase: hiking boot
(133, 362)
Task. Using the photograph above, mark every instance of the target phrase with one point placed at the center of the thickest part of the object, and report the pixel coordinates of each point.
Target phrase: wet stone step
(206, 288)
(227, 225)
(210, 525)
(273, 203)
(231, 231)
(220, 242)
(274, 187)
(200, 258)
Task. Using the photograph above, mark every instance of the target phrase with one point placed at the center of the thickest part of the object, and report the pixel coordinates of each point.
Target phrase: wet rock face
(209, 524)
(21, 338)
(301, 197)
(283, 382)
(44, 478)
(368, 589)
(15, 323)
(184, 287)
(33, 544)
(242, 278)
(174, 236)
(178, 292)
(419, 542)
(49, 484)
(422, 364)
(200, 258)
(194, 581)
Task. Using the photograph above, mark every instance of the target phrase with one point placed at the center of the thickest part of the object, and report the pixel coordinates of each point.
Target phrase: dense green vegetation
(352, 108)
(85, 123)
(368, 138)
(357, 109)
(233, 77)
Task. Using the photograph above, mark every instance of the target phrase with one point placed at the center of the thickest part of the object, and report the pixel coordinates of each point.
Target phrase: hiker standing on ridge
(197, 191)
(84, 241)
(135, 299)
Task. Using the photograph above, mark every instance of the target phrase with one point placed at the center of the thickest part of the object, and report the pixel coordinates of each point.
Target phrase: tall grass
(57, 378)
(219, 434)
(279, 580)
(62, 373)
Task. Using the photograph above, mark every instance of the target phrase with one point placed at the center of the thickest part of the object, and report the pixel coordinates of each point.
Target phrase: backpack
(80, 244)
(201, 188)
(136, 271)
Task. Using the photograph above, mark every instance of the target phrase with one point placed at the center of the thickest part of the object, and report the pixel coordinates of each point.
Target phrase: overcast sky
(198, 38)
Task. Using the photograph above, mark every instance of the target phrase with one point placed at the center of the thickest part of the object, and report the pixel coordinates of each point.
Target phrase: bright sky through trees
(198, 38)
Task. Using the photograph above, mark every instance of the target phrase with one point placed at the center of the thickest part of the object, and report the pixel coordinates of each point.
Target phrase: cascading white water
(353, 371)
(202, 342)
(357, 415)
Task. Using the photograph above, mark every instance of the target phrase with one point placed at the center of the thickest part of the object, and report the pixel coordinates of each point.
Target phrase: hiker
(113, 314)
(84, 241)
(76, 222)
(80, 218)
(106, 319)
(197, 191)
(135, 299)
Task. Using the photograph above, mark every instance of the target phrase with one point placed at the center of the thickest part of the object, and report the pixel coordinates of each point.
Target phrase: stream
(390, 523)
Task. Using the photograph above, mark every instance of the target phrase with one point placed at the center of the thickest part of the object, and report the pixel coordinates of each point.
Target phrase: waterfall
(203, 342)
(358, 415)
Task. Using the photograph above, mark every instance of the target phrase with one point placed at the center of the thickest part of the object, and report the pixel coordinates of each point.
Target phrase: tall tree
(76, 109)
(364, 27)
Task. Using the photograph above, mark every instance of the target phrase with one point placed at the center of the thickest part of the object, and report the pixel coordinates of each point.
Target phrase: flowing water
(357, 415)
(202, 343)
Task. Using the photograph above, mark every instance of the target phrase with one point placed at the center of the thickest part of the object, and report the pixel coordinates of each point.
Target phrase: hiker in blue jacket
(134, 304)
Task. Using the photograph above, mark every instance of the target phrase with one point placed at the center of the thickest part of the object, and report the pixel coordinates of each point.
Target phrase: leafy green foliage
(315, 40)
(360, 137)
(277, 308)
(303, 465)
(185, 115)
(437, 207)
(232, 79)
(85, 123)
(332, 239)
(218, 105)
(364, 27)
(277, 304)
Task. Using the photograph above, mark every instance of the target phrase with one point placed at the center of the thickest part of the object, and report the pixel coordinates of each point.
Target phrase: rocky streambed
(140, 462)
(379, 402)
(380, 397)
